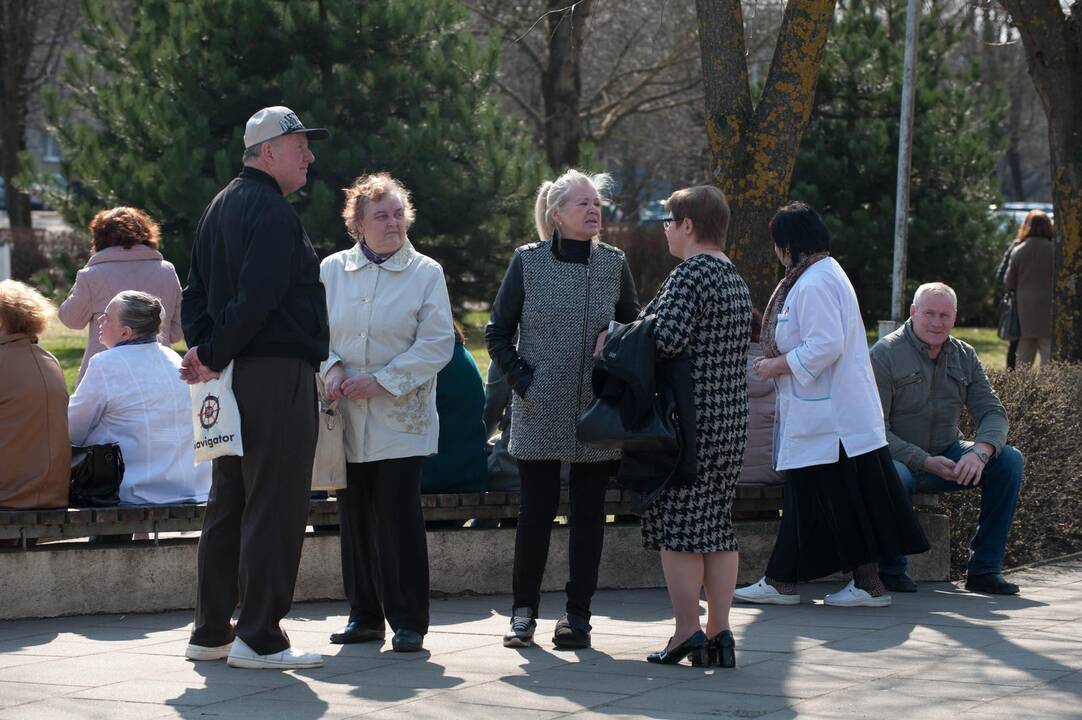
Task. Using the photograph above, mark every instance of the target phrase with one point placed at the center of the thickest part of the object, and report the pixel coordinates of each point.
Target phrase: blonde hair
(935, 288)
(552, 195)
(371, 189)
(23, 310)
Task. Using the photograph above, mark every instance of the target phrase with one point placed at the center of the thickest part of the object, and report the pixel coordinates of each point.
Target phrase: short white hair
(935, 288)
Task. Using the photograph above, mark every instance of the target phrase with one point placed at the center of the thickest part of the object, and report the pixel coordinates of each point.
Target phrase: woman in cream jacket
(391, 333)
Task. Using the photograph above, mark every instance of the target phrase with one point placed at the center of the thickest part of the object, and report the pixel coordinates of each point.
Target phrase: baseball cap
(272, 122)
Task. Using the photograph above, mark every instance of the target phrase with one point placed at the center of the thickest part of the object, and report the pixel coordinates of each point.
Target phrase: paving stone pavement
(941, 653)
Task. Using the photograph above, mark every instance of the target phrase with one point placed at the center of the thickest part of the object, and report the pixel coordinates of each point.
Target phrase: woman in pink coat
(126, 257)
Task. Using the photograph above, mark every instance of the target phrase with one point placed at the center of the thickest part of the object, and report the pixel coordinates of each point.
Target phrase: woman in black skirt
(844, 505)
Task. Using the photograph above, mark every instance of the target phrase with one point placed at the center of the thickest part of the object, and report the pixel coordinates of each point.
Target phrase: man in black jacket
(254, 299)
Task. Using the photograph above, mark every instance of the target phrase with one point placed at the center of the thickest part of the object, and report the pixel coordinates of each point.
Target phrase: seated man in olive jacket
(925, 378)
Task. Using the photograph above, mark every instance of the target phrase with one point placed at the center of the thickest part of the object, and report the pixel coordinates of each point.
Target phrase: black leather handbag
(1009, 326)
(96, 472)
(602, 426)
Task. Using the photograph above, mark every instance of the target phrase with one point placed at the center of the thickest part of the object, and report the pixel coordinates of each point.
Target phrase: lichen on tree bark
(754, 145)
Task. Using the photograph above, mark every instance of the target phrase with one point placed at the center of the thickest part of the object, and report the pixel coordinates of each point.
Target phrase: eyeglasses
(669, 221)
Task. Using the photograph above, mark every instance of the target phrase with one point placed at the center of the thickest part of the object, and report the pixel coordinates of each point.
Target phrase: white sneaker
(852, 596)
(764, 593)
(206, 652)
(243, 656)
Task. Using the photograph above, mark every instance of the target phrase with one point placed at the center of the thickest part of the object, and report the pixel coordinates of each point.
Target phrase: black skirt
(838, 516)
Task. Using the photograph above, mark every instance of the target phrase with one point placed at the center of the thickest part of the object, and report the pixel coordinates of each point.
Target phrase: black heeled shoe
(694, 646)
(722, 649)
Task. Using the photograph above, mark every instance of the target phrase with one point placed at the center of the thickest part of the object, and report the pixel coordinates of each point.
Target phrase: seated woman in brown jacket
(35, 455)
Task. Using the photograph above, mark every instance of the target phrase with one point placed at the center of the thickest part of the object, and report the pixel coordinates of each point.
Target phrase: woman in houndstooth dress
(704, 311)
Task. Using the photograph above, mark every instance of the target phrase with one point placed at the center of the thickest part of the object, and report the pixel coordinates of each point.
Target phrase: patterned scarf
(777, 302)
(374, 256)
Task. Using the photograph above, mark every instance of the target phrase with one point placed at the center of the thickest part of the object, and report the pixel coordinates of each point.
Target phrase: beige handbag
(329, 468)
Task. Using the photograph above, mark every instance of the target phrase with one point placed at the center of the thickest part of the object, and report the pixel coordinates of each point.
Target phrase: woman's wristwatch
(984, 457)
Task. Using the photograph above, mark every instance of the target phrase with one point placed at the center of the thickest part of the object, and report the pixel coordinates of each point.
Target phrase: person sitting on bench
(925, 378)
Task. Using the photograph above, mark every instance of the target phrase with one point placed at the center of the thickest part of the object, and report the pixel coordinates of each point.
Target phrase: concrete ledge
(81, 579)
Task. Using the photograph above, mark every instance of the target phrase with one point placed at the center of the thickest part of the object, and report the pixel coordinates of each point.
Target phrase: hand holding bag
(329, 468)
(216, 418)
(96, 474)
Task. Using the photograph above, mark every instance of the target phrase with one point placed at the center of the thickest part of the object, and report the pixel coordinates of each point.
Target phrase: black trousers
(384, 546)
(538, 504)
(254, 525)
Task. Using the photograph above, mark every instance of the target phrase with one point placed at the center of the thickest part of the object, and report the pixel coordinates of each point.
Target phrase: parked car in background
(1010, 215)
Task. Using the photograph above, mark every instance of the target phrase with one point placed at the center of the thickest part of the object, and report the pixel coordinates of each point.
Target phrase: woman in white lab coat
(844, 505)
(132, 395)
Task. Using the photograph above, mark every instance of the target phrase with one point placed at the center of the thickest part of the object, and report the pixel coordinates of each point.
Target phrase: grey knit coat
(566, 305)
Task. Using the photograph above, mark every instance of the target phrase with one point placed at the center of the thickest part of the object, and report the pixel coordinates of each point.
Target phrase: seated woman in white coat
(844, 505)
(132, 395)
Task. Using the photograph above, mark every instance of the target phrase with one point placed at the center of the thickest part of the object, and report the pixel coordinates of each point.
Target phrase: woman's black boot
(694, 646)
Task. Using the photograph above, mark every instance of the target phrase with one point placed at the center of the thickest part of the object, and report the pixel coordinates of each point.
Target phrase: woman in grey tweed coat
(558, 295)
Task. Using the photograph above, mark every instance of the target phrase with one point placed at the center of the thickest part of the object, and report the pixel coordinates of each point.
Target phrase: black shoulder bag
(96, 472)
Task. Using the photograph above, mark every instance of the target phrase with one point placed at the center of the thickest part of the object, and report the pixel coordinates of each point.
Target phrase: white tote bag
(216, 418)
(329, 468)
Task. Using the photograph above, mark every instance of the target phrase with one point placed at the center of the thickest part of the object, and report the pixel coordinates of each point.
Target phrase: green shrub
(1045, 411)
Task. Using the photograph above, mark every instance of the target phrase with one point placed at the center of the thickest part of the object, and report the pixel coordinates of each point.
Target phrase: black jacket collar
(251, 173)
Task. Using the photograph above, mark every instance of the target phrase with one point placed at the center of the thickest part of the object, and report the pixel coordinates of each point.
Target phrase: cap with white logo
(272, 122)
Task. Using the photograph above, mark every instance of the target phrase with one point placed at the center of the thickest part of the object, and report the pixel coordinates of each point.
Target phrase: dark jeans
(999, 486)
(538, 504)
(384, 546)
(253, 529)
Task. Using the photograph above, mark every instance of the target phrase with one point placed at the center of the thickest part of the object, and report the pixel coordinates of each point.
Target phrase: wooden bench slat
(184, 512)
(51, 517)
(79, 516)
(105, 515)
(18, 517)
(470, 499)
(751, 503)
(131, 514)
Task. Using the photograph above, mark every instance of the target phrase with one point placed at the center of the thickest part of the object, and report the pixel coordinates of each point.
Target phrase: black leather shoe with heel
(694, 647)
(722, 649)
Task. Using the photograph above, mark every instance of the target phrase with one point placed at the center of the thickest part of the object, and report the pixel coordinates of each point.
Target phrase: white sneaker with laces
(243, 656)
(763, 593)
(852, 596)
(207, 652)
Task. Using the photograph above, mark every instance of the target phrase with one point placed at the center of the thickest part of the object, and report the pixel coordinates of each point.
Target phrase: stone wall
(80, 579)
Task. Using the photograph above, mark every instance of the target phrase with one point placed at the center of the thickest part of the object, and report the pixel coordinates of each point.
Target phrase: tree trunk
(561, 82)
(1054, 57)
(754, 148)
(11, 144)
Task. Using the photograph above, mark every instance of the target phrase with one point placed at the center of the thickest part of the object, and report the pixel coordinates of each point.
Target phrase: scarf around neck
(145, 340)
(777, 302)
(374, 256)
